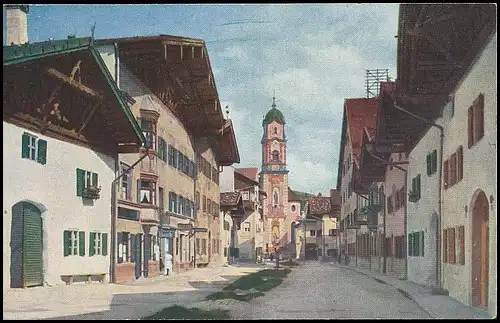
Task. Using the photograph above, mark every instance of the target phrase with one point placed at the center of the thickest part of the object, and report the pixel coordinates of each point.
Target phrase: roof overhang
(249, 181)
(75, 67)
(178, 71)
(437, 43)
(226, 147)
(371, 170)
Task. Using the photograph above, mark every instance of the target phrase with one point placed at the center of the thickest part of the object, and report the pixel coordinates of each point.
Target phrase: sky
(313, 55)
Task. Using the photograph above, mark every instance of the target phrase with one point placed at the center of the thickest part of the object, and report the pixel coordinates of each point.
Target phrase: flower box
(92, 192)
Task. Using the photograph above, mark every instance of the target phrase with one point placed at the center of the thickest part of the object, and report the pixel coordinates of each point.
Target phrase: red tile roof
(248, 172)
(319, 205)
(361, 113)
(229, 198)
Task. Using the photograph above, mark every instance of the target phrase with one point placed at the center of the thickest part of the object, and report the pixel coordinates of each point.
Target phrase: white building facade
(50, 189)
(470, 179)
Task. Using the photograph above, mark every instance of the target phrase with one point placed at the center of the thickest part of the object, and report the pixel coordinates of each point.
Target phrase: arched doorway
(26, 246)
(480, 252)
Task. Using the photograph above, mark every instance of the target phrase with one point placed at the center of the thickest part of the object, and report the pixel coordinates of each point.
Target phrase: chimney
(17, 24)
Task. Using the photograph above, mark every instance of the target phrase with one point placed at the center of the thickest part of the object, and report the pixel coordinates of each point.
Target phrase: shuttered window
(418, 187)
(422, 244)
(479, 114)
(445, 174)
(453, 169)
(445, 246)
(84, 180)
(74, 243)
(432, 162)
(461, 244)
(470, 126)
(460, 164)
(476, 121)
(410, 244)
(98, 244)
(33, 148)
(451, 245)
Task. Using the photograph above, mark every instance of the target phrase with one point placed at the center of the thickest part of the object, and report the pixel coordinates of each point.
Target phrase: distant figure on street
(168, 264)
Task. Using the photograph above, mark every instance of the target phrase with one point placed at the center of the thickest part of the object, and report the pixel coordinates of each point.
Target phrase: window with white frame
(147, 193)
(34, 148)
(98, 244)
(126, 183)
(246, 226)
(245, 195)
(74, 243)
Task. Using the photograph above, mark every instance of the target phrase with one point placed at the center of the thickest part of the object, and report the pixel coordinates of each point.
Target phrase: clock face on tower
(275, 145)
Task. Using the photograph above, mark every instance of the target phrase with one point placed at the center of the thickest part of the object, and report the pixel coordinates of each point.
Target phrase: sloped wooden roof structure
(437, 43)
(63, 88)
(178, 71)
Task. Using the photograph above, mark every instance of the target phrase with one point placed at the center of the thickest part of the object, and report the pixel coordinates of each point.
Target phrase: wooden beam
(87, 119)
(76, 85)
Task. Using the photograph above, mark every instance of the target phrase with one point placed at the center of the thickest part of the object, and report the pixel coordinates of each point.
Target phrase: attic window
(187, 52)
(198, 52)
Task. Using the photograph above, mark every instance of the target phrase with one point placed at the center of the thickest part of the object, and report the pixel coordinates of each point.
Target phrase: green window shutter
(409, 245)
(434, 160)
(104, 241)
(422, 245)
(95, 179)
(25, 150)
(429, 165)
(80, 181)
(81, 243)
(418, 186)
(67, 243)
(42, 152)
(92, 244)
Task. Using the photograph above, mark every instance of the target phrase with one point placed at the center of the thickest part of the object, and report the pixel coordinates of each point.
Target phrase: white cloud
(314, 57)
(309, 176)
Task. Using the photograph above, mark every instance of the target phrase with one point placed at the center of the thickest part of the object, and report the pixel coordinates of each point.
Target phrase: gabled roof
(230, 198)
(186, 82)
(226, 150)
(114, 114)
(16, 54)
(360, 113)
(292, 197)
(437, 44)
(250, 173)
(319, 205)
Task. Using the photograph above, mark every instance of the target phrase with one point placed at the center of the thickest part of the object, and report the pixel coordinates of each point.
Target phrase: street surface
(98, 301)
(322, 290)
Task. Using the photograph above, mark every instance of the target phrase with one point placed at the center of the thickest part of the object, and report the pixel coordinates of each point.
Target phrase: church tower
(274, 178)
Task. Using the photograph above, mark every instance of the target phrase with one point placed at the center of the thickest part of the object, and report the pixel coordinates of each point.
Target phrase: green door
(32, 246)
